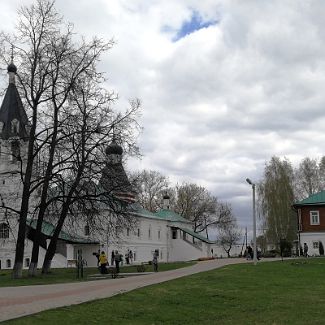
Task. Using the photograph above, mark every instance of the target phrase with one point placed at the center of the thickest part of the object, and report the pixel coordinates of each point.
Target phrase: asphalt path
(26, 300)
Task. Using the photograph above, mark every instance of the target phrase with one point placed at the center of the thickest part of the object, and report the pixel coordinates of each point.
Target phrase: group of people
(116, 259)
(250, 254)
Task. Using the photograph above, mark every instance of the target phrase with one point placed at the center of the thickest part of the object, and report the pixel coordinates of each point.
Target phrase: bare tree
(195, 203)
(308, 178)
(150, 186)
(228, 236)
(83, 170)
(57, 77)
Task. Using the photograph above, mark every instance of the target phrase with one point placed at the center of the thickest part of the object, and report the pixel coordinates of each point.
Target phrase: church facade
(164, 232)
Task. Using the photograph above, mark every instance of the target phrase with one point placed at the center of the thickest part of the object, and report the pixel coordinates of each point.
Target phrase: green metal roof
(137, 210)
(315, 199)
(48, 230)
(196, 235)
(171, 216)
(167, 215)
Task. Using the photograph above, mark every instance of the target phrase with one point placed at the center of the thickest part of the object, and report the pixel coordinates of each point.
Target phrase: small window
(315, 244)
(149, 232)
(128, 231)
(8, 262)
(138, 232)
(184, 235)
(158, 234)
(87, 230)
(27, 262)
(14, 126)
(174, 233)
(15, 151)
(314, 217)
(4, 231)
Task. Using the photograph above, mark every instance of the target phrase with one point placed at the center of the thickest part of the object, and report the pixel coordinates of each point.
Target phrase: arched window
(4, 231)
(8, 262)
(27, 262)
(149, 232)
(15, 126)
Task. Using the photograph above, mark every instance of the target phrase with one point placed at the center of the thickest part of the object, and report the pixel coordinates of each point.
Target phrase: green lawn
(289, 292)
(70, 274)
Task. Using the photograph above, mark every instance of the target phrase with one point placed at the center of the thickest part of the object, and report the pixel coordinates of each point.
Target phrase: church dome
(12, 68)
(114, 149)
(166, 196)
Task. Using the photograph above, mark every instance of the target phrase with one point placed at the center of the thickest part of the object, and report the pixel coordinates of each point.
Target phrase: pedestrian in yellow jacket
(103, 262)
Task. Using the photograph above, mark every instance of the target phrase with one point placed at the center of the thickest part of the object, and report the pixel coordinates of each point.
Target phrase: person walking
(103, 263)
(155, 261)
(131, 256)
(117, 260)
(305, 250)
(127, 259)
(249, 255)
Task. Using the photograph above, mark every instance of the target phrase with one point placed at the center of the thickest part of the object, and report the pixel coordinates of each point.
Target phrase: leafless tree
(60, 86)
(228, 236)
(150, 186)
(196, 203)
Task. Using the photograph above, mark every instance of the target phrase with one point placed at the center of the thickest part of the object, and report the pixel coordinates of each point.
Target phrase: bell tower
(14, 137)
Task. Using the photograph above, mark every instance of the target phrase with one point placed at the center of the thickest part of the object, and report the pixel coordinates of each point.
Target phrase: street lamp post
(254, 221)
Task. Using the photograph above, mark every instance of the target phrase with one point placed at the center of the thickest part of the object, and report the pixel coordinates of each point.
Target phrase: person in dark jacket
(117, 260)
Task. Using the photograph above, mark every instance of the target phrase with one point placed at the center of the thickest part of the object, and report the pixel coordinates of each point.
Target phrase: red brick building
(311, 222)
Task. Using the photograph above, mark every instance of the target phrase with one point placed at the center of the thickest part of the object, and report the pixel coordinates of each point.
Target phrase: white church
(164, 231)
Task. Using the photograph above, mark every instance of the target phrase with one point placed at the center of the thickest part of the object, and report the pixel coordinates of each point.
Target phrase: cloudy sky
(224, 85)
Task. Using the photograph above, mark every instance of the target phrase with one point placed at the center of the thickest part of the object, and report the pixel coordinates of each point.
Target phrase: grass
(70, 274)
(289, 292)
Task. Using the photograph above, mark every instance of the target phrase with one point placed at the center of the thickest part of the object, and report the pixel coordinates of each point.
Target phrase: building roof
(48, 230)
(12, 108)
(196, 235)
(314, 199)
(171, 216)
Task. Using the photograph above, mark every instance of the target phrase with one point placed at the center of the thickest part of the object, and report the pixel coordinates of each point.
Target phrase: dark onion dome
(166, 197)
(114, 149)
(12, 68)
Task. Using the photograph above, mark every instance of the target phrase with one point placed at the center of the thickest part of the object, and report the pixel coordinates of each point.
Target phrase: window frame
(4, 231)
(312, 215)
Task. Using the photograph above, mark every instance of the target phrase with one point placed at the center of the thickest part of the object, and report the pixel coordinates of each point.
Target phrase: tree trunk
(18, 270)
(32, 269)
(46, 266)
(52, 246)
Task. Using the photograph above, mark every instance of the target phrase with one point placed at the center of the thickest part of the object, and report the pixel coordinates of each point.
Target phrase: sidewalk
(21, 301)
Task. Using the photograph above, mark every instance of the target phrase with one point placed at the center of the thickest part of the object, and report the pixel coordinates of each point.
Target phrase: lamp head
(249, 181)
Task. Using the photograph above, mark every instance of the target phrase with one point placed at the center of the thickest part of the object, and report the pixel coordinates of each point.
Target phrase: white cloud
(218, 103)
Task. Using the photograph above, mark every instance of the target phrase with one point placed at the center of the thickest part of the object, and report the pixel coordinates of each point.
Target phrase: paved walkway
(21, 301)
